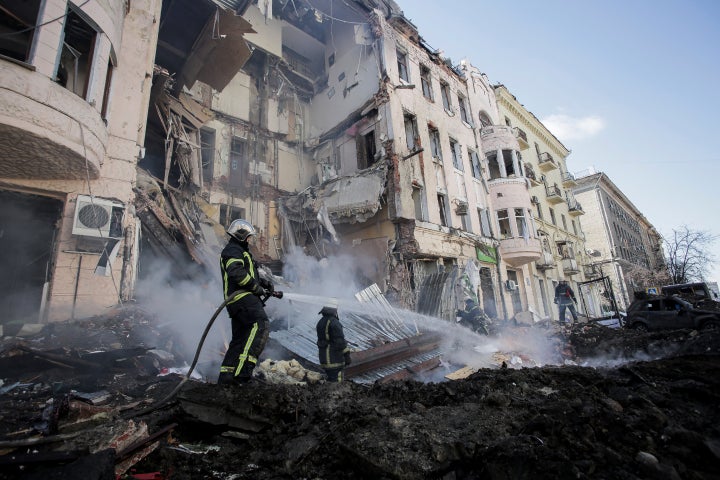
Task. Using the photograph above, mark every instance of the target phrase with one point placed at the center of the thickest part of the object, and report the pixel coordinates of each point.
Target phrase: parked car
(661, 312)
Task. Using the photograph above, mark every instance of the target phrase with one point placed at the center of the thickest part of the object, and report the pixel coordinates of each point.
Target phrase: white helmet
(241, 229)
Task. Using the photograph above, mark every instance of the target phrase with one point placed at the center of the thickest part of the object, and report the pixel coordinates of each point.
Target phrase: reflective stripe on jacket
(331, 340)
(238, 270)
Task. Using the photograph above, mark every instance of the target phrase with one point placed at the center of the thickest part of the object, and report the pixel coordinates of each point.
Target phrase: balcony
(531, 175)
(46, 131)
(547, 162)
(570, 266)
(521, 138)
(518, 251)
(554, 194)
(498, 137)
(568, 180)
(575, 209)
(546, 262)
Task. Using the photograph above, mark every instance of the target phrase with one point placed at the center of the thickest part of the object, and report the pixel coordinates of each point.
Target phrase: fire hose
(263, 299)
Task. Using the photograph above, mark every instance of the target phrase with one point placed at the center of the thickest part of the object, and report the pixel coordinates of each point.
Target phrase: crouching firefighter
(249, 321)
(333, 350)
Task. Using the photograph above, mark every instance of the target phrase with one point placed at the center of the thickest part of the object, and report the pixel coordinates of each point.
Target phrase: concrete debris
(102, 413)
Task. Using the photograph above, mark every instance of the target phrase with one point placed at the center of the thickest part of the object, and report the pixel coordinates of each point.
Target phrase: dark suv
(660, 312)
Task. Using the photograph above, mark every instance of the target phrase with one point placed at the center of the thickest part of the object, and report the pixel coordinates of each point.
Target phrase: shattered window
(17, 24)
(411, 132)
(366, 150)
(76, 57)
(445, 94)
(564, 221)
(402, 65)
(435, 149)
(521, 223)
(442, 205)
(509, 163)
(463, 110)
(504, 223)
(425, 81)
(456, 155)
(493, 166)
(418, 195)
(552, 216)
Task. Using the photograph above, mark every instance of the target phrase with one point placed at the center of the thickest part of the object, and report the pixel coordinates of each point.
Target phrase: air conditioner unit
(98, 217)
(511, 285)
(534, 199)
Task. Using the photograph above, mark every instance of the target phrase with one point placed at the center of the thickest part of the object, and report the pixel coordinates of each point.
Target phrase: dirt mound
(625, 405)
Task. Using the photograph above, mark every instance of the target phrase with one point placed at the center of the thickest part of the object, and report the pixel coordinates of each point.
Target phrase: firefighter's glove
(348, 360)
(257, 289)
(267, 285)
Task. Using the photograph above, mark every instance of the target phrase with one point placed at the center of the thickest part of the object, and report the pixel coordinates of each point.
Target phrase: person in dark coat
(565, 299)
(249, 321)
(472, 316)
(333, 350)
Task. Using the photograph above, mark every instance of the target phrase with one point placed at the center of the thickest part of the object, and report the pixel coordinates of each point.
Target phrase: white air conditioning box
(511, 285)
(98, 217)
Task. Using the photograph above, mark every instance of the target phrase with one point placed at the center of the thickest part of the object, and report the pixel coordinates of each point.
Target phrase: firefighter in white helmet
(250, 324)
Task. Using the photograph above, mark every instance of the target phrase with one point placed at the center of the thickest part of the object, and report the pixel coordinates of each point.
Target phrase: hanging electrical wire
(331, 17)
(35, 27)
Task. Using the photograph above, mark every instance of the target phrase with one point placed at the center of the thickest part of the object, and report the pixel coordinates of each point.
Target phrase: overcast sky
(632, 88)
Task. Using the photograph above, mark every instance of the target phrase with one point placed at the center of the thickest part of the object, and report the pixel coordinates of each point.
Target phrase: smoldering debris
(84, 392)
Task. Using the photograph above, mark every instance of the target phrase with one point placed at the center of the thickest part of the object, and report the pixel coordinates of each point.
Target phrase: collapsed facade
(143, 129)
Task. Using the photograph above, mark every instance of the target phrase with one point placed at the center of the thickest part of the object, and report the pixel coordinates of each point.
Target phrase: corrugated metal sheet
(366, 326)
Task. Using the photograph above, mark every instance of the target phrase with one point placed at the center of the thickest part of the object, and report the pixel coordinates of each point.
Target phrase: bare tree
(688, 254)
(640, 278)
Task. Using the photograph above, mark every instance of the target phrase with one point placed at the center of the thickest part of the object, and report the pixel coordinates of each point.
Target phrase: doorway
(28, 229)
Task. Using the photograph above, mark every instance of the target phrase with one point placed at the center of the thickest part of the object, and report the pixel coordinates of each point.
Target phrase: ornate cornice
(530, 121)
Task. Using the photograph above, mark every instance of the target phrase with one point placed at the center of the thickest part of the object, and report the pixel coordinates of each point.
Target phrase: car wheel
(711, 325)
(639, 327)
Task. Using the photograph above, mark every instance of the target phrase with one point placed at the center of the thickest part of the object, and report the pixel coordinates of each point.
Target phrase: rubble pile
(85, 400)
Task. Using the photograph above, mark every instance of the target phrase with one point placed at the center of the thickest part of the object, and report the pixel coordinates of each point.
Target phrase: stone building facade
(621, 239)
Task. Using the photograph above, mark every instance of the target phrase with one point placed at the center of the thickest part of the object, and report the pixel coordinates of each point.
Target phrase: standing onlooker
(565, 298)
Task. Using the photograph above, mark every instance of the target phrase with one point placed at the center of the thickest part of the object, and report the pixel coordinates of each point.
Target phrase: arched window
(484, 119)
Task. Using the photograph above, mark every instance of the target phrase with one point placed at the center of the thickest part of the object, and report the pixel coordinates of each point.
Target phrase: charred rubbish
(617, 404)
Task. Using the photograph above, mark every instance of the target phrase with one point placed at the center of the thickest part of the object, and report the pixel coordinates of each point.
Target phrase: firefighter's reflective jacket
(239, 272)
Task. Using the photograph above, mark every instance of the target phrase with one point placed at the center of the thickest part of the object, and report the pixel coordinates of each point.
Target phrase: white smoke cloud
(566, 127)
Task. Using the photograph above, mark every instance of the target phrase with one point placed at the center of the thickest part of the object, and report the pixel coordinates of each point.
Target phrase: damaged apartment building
(148, 126)
(346, 133)
(76, 79)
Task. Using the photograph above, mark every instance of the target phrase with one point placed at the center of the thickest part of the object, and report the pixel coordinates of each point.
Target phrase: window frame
(455, 151)
(403, 65)
(426, 82)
